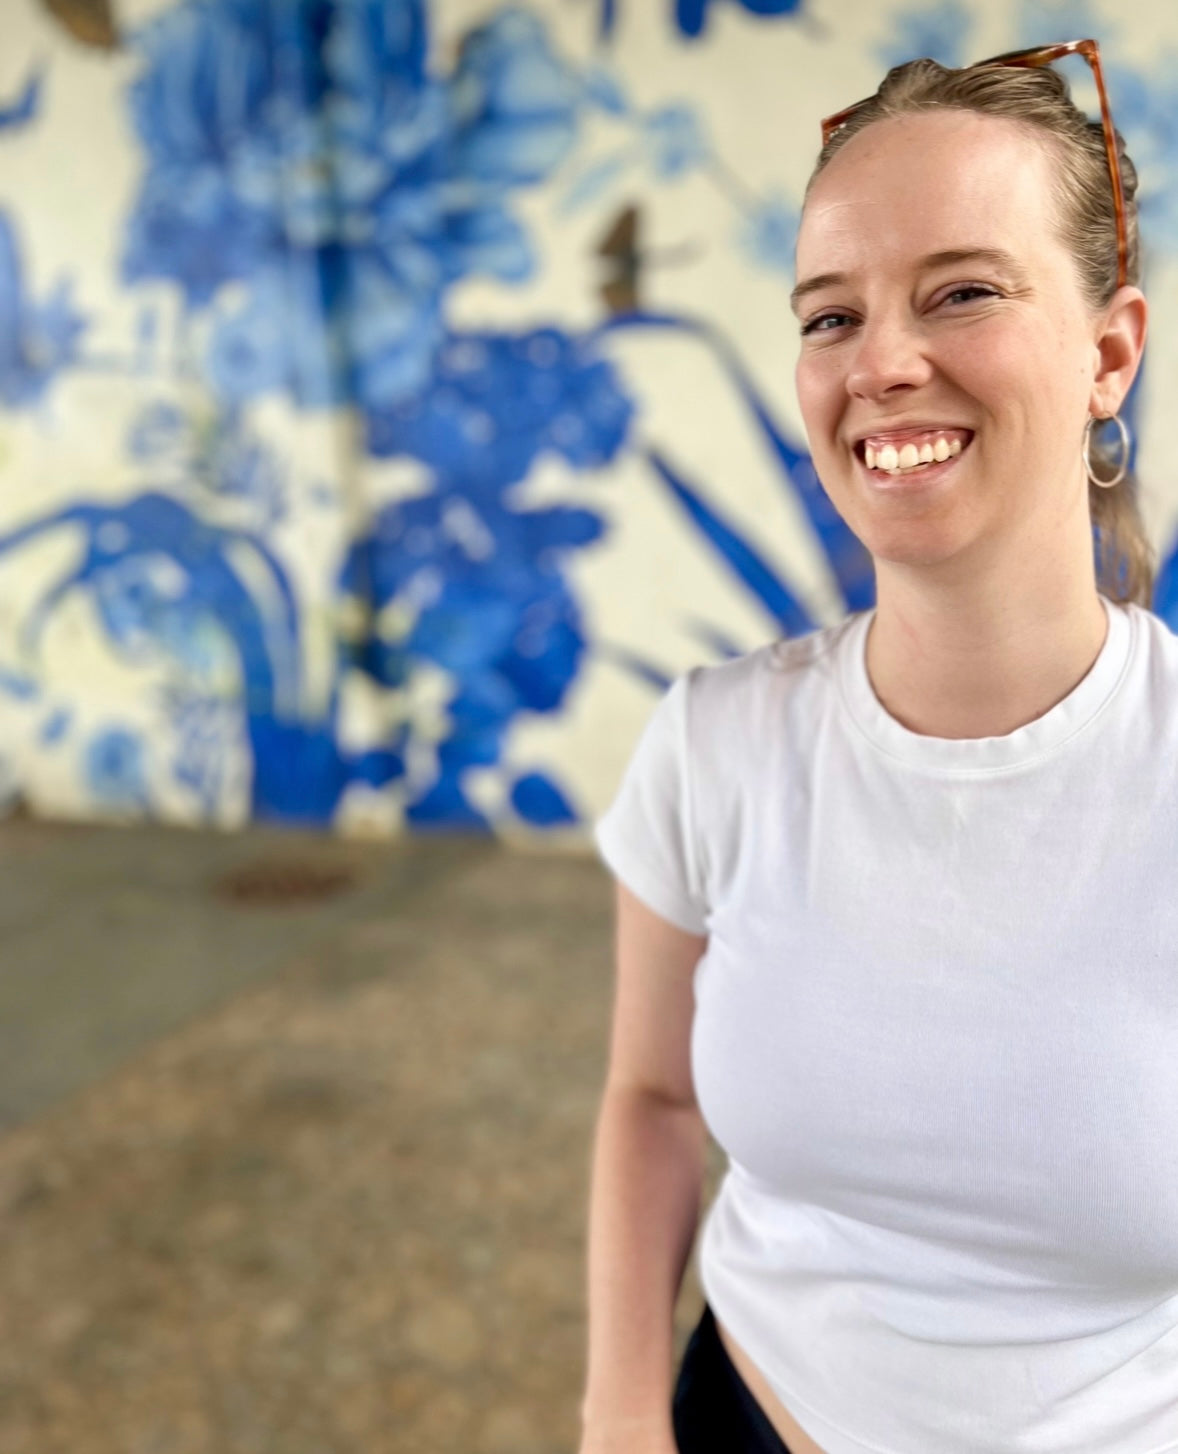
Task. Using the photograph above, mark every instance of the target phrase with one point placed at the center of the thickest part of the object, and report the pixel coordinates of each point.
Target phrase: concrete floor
(296, 1177)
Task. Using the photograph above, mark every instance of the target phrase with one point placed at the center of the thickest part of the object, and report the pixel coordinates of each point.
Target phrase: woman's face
(937, 303)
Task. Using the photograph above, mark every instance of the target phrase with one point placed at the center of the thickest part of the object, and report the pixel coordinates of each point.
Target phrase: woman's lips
(910, 477)
(911, 450)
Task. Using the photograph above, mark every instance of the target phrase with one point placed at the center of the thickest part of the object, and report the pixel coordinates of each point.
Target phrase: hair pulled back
(1038, 98)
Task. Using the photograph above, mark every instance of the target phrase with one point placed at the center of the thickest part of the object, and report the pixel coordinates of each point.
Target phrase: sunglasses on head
(1043, 55)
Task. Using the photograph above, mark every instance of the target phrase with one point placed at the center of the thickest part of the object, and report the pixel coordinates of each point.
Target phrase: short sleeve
(646, 835)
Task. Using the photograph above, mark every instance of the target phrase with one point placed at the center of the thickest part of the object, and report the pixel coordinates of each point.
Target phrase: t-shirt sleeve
(646, 836)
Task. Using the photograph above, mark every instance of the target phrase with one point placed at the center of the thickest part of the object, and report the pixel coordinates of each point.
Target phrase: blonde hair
(1038, 98)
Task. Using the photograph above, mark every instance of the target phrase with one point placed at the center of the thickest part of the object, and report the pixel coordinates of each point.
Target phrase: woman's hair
(1038, 98)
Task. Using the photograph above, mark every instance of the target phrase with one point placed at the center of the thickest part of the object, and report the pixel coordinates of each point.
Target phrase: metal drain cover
(283, 881)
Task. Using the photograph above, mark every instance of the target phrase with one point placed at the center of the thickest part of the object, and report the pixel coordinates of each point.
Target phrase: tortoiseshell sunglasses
(1043, 55)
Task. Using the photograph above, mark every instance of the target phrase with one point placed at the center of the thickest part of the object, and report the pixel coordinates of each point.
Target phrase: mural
(410, 403)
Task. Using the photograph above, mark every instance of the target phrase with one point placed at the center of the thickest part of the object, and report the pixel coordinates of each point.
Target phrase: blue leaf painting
(761, 581)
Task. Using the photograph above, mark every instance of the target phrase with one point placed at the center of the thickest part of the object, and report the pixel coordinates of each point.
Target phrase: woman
(895, 920)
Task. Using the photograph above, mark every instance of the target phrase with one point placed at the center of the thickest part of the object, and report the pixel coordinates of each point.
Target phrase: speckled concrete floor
(296, 1180)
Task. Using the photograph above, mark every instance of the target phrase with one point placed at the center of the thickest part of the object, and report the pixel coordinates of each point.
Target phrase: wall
(395, 397)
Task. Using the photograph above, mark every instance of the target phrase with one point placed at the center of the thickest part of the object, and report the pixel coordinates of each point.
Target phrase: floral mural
(396, 398)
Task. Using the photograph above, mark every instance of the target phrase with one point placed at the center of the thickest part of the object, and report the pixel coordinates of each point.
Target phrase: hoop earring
(1086, 451)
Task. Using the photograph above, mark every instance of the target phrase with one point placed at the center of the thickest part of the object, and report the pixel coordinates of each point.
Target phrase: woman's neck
(981, 669)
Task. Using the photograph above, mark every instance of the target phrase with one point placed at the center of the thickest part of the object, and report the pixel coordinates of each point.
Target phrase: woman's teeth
(895, 461)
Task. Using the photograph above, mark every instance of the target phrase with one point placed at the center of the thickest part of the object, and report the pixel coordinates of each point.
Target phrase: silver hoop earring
(1086, 451)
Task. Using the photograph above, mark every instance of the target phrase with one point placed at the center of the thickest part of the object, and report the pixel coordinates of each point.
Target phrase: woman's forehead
(937, 182)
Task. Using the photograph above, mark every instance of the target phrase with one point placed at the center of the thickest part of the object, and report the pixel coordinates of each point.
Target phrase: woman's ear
(1120, 344)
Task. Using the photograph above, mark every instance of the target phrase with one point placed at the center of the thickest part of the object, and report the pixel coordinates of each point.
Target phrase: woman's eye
(819, 324)
(969, 291)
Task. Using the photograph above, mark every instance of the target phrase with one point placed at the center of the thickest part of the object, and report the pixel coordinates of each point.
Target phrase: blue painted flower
(223, 109)
(305, 151)
(476, 581)
(484, 600)
(37, 340)
(494, 402)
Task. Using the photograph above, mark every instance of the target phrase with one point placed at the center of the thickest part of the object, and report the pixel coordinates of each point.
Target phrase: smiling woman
(884, 926)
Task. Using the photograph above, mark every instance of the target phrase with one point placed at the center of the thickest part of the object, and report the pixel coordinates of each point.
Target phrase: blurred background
(395, 396)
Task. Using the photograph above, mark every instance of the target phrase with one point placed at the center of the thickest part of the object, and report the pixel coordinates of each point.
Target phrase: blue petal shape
(54, 728)
(691, 15)
(538, 800)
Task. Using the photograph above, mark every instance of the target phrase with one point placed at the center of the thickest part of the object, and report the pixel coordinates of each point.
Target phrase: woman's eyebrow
(996, 257)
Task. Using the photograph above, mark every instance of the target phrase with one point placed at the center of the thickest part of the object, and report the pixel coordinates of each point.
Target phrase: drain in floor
(283, 881)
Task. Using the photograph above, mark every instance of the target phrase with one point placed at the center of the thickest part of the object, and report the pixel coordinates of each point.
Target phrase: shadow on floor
(297, 1176)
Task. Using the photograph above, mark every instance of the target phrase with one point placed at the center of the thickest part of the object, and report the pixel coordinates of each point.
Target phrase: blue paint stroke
(20, 112)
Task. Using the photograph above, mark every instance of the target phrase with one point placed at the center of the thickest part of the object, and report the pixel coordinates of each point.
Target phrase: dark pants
(714, 1410)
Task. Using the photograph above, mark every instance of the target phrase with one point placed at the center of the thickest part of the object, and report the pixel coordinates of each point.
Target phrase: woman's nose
(889, 355)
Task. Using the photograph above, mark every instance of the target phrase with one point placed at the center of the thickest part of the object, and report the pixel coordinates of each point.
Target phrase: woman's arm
(647, 1179)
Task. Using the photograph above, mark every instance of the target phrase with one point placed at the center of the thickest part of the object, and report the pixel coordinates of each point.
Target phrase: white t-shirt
(936, 1032)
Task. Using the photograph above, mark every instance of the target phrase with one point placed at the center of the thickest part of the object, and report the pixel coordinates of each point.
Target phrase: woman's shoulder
(777, 660)
(740, 688)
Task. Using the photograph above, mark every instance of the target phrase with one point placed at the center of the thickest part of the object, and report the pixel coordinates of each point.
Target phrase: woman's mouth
(898, 454)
